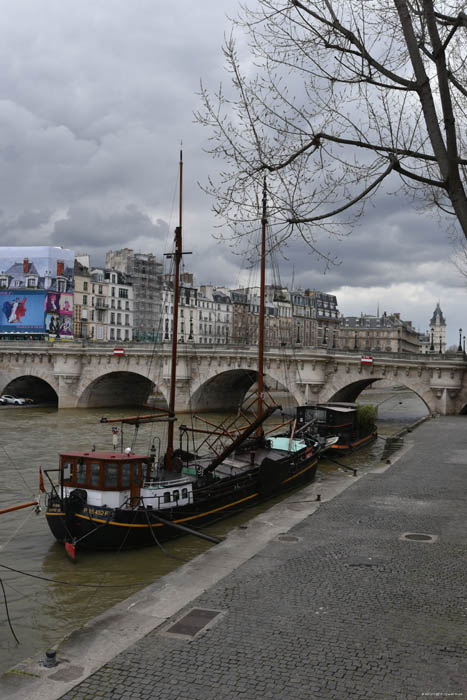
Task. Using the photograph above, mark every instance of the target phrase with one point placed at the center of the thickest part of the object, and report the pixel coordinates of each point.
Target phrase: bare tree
(333, 98)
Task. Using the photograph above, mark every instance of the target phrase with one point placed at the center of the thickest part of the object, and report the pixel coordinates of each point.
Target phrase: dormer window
(61, 285)
(4, 282)
(31, 282)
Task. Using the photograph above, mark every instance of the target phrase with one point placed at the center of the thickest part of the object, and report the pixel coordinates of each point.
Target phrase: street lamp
(432, 346)
(459, 349)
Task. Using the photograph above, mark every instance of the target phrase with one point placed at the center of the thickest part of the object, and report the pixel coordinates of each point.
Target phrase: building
(103, 309)
(36, 292)
(437, 331)
(145, 272)
(315, 318)
(386, 333)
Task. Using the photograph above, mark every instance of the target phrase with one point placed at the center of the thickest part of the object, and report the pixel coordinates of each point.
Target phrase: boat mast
(173, 374)
(262, 293)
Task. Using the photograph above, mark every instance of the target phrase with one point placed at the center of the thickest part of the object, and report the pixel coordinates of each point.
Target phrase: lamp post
(459, 349)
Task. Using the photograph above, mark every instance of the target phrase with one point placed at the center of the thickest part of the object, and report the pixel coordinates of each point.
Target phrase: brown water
(47, 595)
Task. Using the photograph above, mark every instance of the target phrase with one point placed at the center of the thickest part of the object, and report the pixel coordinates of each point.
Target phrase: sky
(95, 100)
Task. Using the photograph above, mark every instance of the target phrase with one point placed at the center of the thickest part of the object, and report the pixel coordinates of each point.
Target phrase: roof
(107, 456)
(438, 314)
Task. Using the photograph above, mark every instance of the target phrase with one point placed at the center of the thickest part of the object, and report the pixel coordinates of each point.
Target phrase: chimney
(25, 266)
(60, 267)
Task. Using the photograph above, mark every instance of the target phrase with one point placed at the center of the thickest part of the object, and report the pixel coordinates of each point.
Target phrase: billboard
(22, 312)
(36, 288)
(59, 315)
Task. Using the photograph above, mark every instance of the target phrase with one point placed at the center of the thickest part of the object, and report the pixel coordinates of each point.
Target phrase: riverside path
(330, 600)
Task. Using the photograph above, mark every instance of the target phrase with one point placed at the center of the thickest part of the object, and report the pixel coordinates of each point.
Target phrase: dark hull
(101, 528)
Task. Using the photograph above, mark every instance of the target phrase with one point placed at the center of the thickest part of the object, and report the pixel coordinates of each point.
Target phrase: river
(47, 596)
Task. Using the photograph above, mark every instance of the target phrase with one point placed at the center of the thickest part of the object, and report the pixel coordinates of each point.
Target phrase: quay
(358, 595)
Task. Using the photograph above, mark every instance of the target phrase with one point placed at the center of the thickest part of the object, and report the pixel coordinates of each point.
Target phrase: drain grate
(193, 622)
(419, 537)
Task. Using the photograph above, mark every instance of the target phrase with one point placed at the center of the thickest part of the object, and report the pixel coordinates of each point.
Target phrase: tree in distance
(333, 98)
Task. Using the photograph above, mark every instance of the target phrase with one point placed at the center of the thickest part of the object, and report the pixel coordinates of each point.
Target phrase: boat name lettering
(97, 511)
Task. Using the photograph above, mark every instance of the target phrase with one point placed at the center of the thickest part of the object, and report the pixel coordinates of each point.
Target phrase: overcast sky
(95, 98)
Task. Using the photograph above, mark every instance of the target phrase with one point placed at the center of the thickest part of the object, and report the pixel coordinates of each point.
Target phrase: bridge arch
(31, 386)
(351, 390)
(119, 388)
(223, 391)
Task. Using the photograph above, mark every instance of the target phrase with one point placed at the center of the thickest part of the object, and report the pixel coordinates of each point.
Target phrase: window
(167, 497)
(67, 469)
(184, 493)
(176, 495)
(3, 282)
(94, 474)
(123, 293)
(125, 475)
(111, 476)
(61, 285)
(85, 299)
(136, 474)
(81, 473)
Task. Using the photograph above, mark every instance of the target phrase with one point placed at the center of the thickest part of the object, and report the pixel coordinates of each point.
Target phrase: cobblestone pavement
(349, 610)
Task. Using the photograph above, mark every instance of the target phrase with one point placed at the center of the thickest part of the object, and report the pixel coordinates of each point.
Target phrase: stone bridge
(79, 374)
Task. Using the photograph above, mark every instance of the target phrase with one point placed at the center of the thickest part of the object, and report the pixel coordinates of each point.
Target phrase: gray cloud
(95, 98)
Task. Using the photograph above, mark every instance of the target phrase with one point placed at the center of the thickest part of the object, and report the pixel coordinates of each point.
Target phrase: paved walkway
(340, 607)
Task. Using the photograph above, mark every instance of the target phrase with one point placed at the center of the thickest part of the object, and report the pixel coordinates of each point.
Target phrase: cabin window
(94, 475)
(81, 473)
(67, 470)
(167, 497)
(184, 493)
(111, 475)
(136, 475)
(125, 475)
(176, 495)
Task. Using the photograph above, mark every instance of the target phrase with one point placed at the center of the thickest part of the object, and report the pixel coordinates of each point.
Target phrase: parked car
(7, 398)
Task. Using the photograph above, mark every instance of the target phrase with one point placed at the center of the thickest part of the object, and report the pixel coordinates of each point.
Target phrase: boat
(117, 500)
(353, 424)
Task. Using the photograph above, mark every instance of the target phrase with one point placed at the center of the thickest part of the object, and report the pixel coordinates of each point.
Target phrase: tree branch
(354, 201)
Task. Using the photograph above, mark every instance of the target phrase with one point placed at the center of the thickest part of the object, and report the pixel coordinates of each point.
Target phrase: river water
(47, 596)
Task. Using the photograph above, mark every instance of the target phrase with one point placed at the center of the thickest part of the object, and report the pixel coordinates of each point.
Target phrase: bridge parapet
(220, 373)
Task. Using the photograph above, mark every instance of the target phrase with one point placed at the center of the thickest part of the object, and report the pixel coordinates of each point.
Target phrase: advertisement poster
(22, 312)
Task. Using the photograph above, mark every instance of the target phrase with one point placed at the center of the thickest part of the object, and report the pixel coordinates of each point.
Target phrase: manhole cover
(288, 538)
(419, 537)
(193, 622)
